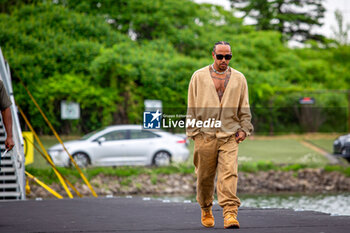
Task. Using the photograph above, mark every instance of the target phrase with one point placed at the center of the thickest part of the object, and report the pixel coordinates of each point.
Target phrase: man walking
(5, 104)
(218, 92)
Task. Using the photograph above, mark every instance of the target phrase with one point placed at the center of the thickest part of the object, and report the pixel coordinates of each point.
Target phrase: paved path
(137, 215)
(331, 158)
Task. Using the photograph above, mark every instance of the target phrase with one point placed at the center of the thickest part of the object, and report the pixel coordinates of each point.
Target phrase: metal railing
(17, 153)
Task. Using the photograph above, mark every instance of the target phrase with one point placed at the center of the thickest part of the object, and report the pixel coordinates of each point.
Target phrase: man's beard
(222, 66)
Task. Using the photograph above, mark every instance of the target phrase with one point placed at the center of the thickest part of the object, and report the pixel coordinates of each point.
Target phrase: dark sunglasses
(220, 56)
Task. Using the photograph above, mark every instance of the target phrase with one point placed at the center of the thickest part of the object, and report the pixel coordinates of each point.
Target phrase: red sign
(306, 100)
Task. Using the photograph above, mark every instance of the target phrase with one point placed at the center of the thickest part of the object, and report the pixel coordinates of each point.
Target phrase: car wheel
(161, 158)
(343, 152)
(81, 159)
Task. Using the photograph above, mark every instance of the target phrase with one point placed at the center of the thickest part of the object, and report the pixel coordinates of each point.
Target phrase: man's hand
(240, 136)
(7, 120)
(9, 143)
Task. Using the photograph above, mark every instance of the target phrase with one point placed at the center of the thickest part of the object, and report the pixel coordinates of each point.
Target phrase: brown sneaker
(230, 221)
(207, 218)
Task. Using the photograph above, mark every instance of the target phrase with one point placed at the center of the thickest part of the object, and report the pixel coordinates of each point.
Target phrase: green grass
(47, 174)
(279, 151)
(326, 144)
(342, 169)
(269, 166)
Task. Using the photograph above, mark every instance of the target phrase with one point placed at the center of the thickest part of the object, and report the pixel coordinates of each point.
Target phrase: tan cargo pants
(213, 154)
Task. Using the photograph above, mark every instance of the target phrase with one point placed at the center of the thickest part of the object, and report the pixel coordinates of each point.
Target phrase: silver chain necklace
(217, 72)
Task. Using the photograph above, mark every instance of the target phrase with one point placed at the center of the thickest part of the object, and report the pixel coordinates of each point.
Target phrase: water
(337, 204)
(334, 204)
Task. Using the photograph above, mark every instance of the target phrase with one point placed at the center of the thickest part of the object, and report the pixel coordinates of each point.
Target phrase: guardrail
(17, 153)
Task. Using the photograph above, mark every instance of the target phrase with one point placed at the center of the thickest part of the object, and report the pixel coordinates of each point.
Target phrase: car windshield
(87, 136)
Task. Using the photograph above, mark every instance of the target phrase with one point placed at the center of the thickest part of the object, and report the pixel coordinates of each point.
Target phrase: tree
(341, 32)
(6, 6)
(192, 28)
(293, 18)
(48, 42)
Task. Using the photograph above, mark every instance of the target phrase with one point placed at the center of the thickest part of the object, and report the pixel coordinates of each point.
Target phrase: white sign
(70, 110)
(153, 105)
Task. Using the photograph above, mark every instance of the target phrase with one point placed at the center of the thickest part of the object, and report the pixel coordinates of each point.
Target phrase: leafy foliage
(293, 18)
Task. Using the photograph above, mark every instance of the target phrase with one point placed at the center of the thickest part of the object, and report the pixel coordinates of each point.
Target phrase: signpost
(306, 100)
(153, 105)
(310, 100)
(70, 110)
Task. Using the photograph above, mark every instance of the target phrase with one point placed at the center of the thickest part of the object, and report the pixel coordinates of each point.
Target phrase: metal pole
(349, 111)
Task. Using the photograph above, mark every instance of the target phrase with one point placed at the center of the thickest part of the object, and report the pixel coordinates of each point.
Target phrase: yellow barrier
(28, 148)
(54, 167)
(27, 187)
(53, 192)
(59, 139)
(45, 152)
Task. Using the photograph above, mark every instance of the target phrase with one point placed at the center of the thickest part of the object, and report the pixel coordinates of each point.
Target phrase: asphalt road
(122, 214)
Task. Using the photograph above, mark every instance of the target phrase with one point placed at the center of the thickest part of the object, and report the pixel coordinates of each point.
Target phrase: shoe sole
(232, 227)
(208, 226)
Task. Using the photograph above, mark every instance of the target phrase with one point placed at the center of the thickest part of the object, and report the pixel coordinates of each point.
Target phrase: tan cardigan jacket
(203, 103)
